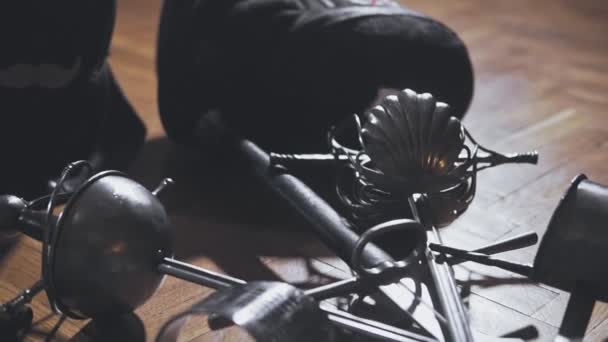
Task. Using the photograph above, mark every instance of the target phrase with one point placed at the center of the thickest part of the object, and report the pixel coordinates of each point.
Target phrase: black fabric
(281, 72)
(59, 101)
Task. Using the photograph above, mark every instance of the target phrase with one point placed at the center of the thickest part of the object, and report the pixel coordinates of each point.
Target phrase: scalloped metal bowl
(412, 138)
(409, 144)
(106, 247)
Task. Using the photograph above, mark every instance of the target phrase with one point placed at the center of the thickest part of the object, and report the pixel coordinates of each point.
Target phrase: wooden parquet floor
(541, 83)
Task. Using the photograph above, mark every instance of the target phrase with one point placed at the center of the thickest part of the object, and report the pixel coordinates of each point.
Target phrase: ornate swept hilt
(407, 144)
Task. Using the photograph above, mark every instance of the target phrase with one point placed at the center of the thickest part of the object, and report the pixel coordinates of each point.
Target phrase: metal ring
(390, 265)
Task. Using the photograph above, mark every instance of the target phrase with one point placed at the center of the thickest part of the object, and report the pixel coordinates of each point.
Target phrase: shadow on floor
(220, 212)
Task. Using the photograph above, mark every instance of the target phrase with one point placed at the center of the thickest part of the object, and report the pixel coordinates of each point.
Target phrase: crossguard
(390, 269)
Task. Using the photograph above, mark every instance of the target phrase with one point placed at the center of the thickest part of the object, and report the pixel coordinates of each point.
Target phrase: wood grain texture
(541, 83)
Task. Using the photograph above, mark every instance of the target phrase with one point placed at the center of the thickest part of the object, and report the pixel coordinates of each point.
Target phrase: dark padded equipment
(281, 72)
(59, 101)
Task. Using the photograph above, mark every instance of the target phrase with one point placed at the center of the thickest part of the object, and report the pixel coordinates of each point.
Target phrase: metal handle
(522, 158)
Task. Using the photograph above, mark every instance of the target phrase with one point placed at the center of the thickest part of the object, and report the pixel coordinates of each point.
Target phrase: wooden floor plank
(495, 319)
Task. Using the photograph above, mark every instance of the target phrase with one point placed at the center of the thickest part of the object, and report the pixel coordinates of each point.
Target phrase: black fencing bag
(59, 101)
(281, 72)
